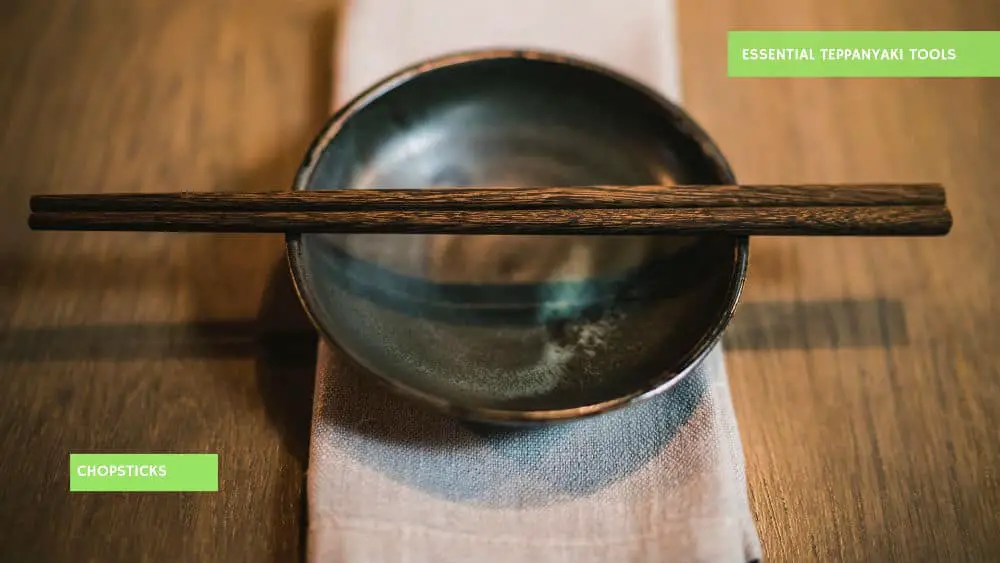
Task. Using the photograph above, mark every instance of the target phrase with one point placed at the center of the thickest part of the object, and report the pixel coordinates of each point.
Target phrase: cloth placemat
(390, 482)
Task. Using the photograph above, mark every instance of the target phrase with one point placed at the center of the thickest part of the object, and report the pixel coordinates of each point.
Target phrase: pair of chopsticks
(859, 210)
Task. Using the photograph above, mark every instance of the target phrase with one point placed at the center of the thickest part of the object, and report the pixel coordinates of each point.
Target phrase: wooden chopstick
(917, 220)
(865, 210)
(590, 197)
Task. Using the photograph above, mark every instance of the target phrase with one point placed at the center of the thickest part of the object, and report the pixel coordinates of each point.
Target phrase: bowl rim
(654, 386)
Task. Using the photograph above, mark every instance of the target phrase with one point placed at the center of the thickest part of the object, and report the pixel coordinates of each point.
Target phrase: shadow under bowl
(515, 329)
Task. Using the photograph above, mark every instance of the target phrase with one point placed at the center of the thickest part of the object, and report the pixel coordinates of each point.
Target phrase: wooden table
(864, 371)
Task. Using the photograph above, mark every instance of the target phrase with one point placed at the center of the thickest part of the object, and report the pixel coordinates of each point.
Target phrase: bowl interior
(516, 323)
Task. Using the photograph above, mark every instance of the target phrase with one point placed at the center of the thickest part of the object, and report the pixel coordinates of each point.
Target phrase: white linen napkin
(390, 482)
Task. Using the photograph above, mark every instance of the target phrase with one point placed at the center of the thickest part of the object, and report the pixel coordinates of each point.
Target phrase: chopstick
(861, 210)
(587, 197)
(926, 220)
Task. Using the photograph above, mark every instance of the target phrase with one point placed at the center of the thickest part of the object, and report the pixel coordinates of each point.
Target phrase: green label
(143, 472)
(899, 54)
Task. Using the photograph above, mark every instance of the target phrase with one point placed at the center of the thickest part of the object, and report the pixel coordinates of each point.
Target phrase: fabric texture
(390, 482)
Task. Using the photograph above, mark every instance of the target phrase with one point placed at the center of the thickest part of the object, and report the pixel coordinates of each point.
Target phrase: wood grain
(150, 342)
(865, 373)
(921, 220)
(580, 197)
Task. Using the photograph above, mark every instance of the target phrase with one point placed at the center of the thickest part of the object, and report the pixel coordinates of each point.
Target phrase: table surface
(864, 372)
